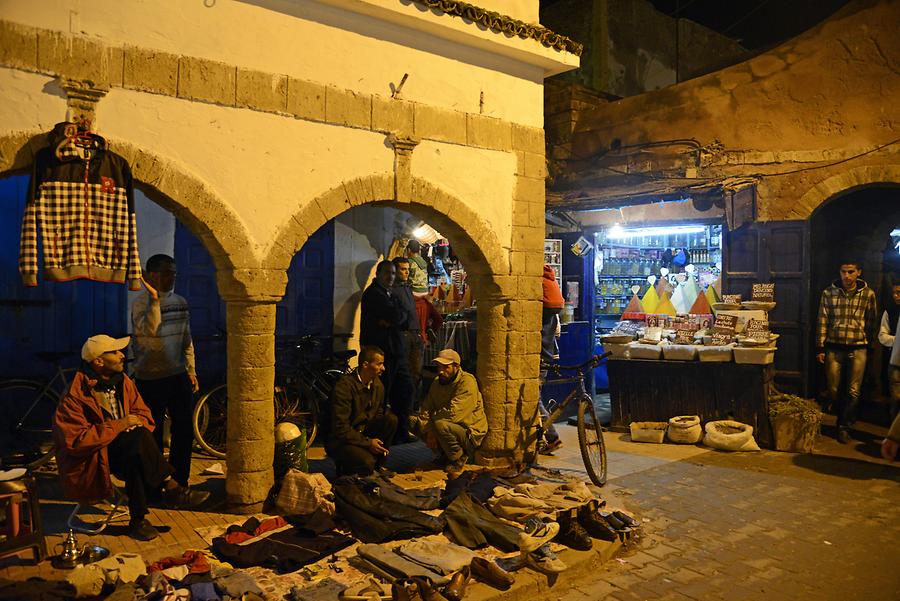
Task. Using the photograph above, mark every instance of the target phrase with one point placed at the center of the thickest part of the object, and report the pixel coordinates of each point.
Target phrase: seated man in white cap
(103, 427)
(452, 418)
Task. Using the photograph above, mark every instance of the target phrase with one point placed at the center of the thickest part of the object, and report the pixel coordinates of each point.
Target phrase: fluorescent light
(618, 232)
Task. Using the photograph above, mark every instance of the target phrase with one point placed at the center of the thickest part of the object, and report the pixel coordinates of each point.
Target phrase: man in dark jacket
(361, 431)
(845, 328)
(103, 427)
(405, 384)
(382, 322)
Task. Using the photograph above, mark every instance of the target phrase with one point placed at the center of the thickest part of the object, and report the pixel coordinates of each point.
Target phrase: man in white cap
(103, 427)
(452, 419)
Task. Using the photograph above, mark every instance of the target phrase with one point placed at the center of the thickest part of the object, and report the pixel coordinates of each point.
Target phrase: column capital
(403, 149)
(82, 96)
(251, 285)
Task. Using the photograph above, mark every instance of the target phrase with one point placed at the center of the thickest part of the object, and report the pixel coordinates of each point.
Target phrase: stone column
(250, 295)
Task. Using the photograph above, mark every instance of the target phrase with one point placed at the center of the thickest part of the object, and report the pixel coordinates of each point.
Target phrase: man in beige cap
(452, 419)
(103, 427)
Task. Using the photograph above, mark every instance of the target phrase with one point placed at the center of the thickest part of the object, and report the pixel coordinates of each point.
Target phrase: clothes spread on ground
(439, 556)
(417, 498)
(318, 522)
(472, 525)
(276, 545)
(479, 485)
(385, 558)
(302, 493)
(238, 584)
(537, 500)
(81, 198)
(374, 519)
(122, 567)
(195, 561)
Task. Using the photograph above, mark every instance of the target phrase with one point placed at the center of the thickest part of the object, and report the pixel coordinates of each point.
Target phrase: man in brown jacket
(103, 427)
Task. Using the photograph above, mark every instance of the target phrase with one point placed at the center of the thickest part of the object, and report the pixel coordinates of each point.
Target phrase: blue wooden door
(307, 306)
(53, 316)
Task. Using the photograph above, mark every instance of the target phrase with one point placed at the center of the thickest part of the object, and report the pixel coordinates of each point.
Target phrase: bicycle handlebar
(593, 362)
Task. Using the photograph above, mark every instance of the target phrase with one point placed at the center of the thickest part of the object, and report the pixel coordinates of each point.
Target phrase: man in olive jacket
(360, 430)
(452, 416)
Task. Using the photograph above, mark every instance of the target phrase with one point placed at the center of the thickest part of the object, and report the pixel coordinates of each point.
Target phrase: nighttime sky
(757, 24)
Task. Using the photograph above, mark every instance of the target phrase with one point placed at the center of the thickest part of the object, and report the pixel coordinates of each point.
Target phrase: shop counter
(647, 390)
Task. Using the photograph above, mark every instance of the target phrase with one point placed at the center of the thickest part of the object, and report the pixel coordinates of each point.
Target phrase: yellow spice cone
(665, 306)
(650, 300)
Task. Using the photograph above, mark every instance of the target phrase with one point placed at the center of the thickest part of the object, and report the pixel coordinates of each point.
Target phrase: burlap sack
(728, 435)
(685, 429)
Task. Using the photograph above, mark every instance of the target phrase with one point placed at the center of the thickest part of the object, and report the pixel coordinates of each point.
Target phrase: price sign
(757, 329)
(726, 323)
(733, 299)
(764, 292)
(720, 338)
(684, 337)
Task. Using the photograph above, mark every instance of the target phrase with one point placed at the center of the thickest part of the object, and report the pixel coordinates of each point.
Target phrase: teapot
(70, 556)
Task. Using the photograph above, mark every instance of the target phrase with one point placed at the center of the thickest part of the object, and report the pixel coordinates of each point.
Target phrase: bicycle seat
(345, 355)
(53, 356)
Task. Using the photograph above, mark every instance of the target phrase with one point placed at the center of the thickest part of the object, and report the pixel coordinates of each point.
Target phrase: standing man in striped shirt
(845, 328)
(164, 360)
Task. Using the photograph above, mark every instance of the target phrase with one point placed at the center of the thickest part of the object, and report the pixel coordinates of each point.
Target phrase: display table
(643, 390)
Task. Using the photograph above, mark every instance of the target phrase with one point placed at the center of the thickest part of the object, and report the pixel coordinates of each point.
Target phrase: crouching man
(452, 419)
(103, 427)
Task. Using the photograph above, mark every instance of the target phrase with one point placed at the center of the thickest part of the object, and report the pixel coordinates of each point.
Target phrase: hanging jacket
(82, 201)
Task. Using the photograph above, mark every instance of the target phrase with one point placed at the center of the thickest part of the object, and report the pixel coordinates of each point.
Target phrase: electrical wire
(813, 167)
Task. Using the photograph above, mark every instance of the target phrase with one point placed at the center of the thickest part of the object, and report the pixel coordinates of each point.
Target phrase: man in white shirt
(164, 360)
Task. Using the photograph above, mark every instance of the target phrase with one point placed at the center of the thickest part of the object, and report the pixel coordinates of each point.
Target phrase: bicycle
(26, 414)
(590, 431)
(299, 397)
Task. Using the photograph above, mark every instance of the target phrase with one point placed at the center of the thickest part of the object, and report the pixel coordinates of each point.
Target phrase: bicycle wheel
(590, 440)
(210, 421)
(26, 419)
(298, 408)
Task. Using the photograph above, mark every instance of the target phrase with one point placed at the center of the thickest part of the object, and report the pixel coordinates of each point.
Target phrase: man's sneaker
(142, 530)
(547, 448)
(626, 519)
(184, 497)
(536, 534)
(843, 436)
(544, 560)
(571, 533)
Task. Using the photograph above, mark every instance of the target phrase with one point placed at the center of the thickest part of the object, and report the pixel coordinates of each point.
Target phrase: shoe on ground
(455, 469)
(547, 448)
(404, 438)
(536, 534)
(544, 560)
(184, 497)
(595, 525)
(571, 533)
(384, 472)
(490, 573)
(626, 519)
(455, 590)
(843, 436)
(142, 530)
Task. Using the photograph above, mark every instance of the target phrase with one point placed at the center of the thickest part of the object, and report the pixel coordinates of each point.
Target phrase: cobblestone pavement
(754, 526)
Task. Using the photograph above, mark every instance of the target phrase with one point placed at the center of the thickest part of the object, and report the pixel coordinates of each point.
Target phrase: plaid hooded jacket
(82, 200)
(846, 320)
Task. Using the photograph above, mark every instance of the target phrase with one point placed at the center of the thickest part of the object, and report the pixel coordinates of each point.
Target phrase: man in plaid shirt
(845, 327)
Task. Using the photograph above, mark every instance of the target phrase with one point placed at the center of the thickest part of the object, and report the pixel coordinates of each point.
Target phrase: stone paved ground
(754, 526)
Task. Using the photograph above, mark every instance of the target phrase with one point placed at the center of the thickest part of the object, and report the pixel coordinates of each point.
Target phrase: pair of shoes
(417, 588)
(547, 448)
(536, 534)
(455, 469)
(184, 497)
(368, 590)
(456, 588)
(571, 533)
(489, 572)
(142, 530)
(843, 436)
(623, 524)
(544, 560)
(595, 525)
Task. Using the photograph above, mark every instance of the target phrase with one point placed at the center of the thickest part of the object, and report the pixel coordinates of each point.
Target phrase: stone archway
(508, 327)
(844, 183)
(249, 291)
